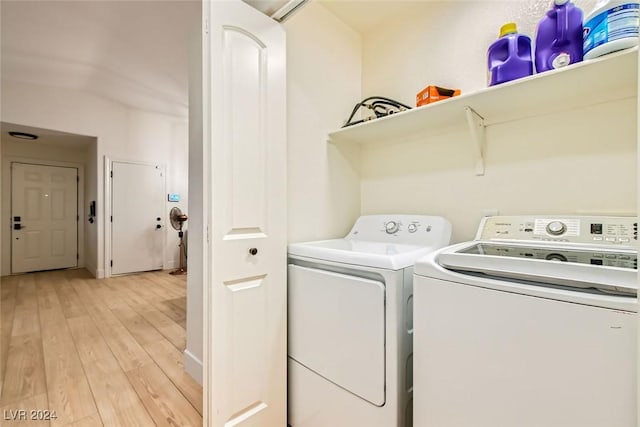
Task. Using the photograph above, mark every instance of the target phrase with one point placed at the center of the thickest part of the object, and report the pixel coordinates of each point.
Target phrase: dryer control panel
(598, 230)
(422, 230)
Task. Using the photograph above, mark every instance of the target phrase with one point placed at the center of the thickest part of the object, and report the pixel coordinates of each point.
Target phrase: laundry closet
(562, 143)
(552, 145)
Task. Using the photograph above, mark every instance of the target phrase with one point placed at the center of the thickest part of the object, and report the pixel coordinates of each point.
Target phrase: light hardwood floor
(97, 352)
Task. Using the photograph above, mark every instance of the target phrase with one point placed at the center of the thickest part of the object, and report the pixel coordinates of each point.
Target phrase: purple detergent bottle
(509, 57)
(559, 38)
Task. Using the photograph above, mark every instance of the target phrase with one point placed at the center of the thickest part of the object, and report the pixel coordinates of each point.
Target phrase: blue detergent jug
(509, 57)
(559, 37)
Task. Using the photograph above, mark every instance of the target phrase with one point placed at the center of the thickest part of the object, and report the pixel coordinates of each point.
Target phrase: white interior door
(245, 127)
(44, 217)
(137, 217)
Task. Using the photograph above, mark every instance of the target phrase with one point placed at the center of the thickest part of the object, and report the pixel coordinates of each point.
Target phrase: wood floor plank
(138, 286)
(26, 308)
(67, 386)
(126, 293)
(143, 331)
(107, 296)
(70, 301)
(125, 348)
(118, 403)
(19, 413)
(164, 324)
(8, 290)
(165, 403)
(170, 360)
(24, 371)
(169, 288)
(99, 352)
(89, 342)
(136, 295)
(173, 310)
(167, 327)
(72, 401)
(92, 421)
(161, 284)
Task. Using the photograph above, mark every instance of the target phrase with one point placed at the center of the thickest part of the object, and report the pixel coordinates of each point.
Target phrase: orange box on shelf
(434, 93)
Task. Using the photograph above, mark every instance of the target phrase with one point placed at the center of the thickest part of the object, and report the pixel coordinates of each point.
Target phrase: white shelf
(609, 78)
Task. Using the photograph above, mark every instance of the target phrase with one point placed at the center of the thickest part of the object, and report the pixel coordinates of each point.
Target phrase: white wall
(323, 78)
(581, 161)
(193, 354)
(121, 132)
(442, 43)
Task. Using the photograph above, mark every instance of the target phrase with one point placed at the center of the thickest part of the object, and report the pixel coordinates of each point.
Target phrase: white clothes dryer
(532, 324)
(350, 322)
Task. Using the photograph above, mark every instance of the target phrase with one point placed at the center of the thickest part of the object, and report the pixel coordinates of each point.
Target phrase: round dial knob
(412, 228)
(556, 257)
(391, 227)
(556, 228)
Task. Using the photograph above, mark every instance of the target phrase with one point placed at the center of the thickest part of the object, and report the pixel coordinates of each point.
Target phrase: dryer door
(337, 330)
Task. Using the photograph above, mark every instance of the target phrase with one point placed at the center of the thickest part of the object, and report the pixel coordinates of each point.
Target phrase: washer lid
(610, 270)
(390, 256)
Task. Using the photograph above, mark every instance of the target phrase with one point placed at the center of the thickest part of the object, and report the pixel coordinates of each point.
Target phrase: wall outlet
(489, 212)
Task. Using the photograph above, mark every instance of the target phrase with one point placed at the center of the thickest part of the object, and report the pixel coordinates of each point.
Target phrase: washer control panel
(603, 230)
(609, 257)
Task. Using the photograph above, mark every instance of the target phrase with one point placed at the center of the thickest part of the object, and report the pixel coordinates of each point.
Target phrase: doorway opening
(45, 214)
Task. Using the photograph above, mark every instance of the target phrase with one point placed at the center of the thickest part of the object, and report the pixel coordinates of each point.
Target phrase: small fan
(177, 218)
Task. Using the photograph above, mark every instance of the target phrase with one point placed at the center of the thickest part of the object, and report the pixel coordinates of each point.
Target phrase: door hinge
(77, 178)
(111, 174)
(111, 263)
(77, 256)
(111, 218)
(77, 217)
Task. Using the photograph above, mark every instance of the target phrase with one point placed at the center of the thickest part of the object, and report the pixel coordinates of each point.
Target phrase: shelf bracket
(476, 128)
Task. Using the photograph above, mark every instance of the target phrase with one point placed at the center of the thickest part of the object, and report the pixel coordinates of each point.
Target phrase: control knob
(556, 228)
(412, 228)
(391, 227)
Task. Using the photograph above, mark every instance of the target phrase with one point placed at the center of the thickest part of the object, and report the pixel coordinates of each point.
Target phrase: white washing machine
(532, 324)
(350, 322)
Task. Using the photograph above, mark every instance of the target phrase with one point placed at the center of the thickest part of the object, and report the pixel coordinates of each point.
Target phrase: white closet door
(245, 128)
(137, 216)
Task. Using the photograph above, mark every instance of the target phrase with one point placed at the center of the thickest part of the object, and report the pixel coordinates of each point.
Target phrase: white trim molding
(193, 366)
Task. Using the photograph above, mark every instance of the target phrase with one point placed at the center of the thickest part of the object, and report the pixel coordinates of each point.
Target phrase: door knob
(158, 226)
(253, 251)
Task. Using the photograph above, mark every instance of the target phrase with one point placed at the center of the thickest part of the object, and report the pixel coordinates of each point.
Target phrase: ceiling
(268, 7)
(366, 15)
(45, 137)
(132, 52)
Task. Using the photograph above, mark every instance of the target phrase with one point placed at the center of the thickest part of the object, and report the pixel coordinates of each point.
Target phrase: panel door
(245, 128)
(44, 217)
(137, 216)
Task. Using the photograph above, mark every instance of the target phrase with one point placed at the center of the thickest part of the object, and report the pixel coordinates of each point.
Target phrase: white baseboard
(99, 274)
(91, 268)
(171, 264)
(193, 366)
